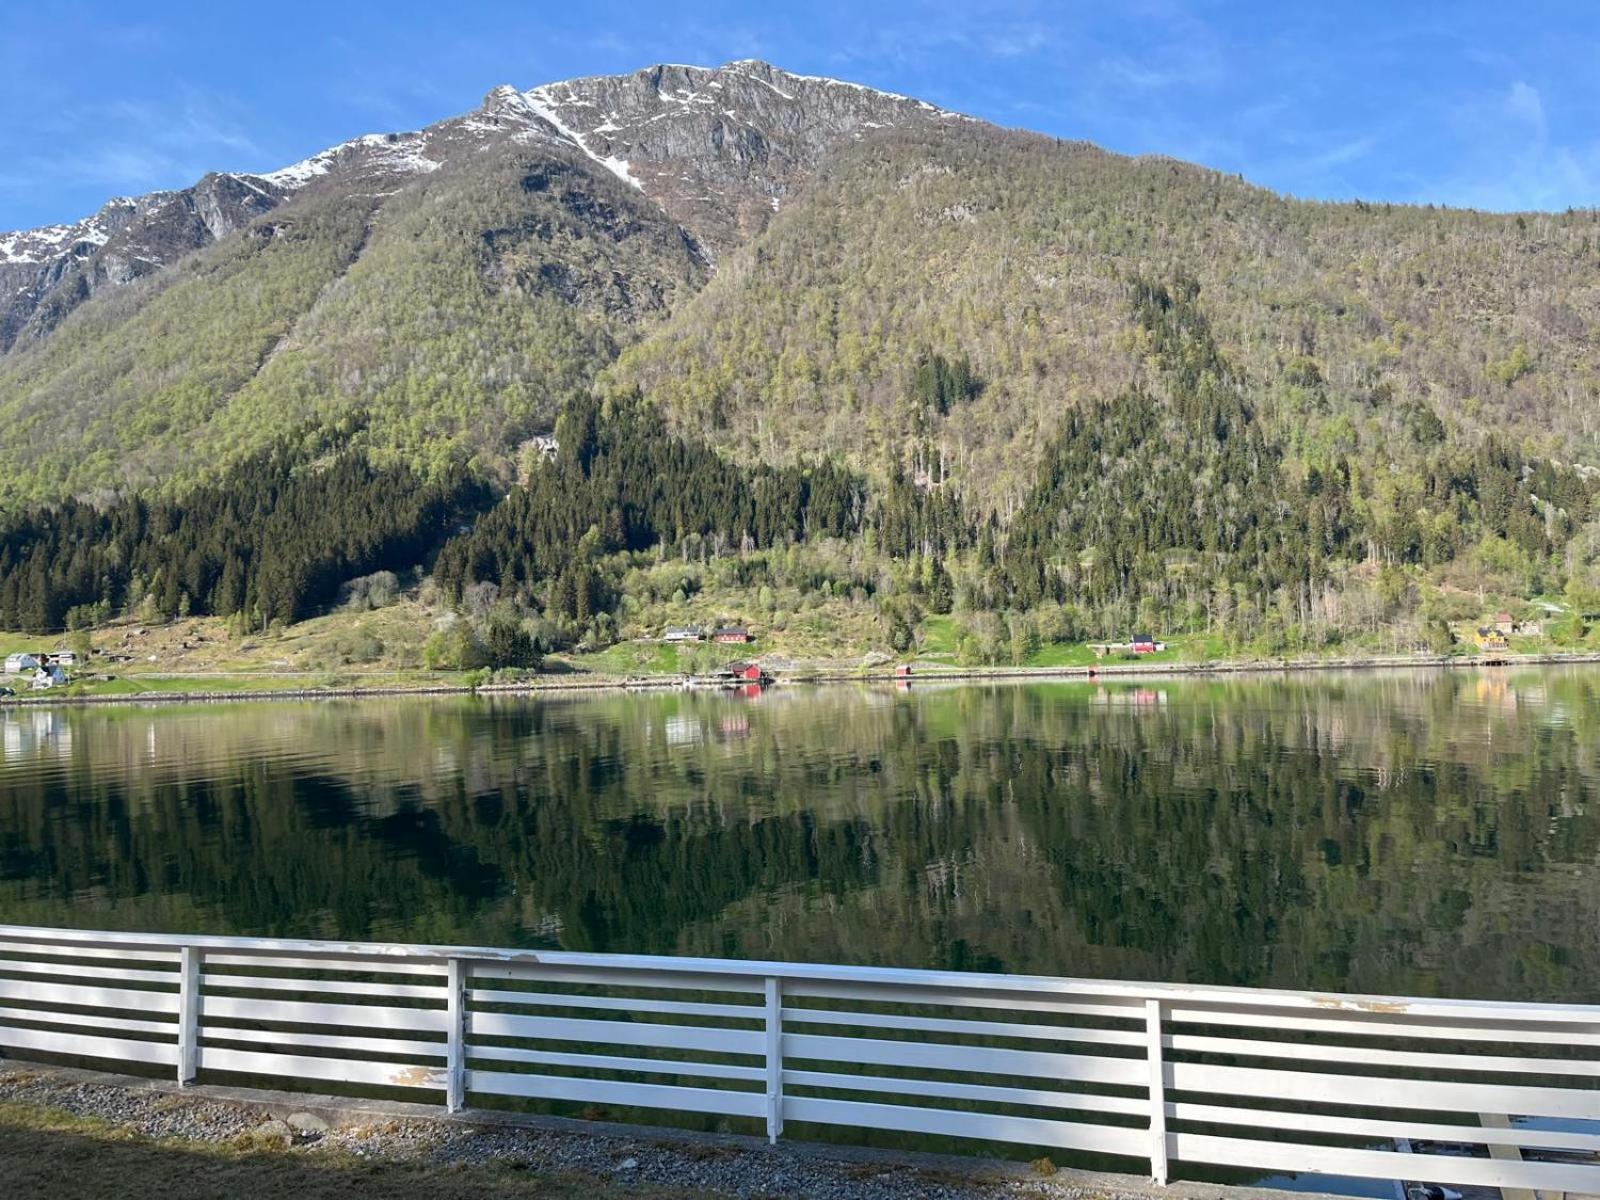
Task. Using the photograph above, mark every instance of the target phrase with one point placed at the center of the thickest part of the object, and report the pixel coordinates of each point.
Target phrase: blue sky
(1463, 102)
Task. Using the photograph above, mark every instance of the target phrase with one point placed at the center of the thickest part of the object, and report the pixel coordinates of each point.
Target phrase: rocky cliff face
(46, 273)
(720, 148)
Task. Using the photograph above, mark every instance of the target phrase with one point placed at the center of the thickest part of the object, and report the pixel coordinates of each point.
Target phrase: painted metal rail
(1492, 1094)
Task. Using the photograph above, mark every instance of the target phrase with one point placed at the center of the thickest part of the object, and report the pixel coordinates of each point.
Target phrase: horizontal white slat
(80, 1045)
(338, 1070)
(1357, 1008)
(605, 1091)
(88, 972)
(1370, 1025)
(681, 1008)
(980, 1093)
(974, 1028)
(747, 975)
(70, 951)
(89, 1021)
(1390, 1129)
(661, 976)
(1384, 1164)
(377, 1044)
(608, 1062)
(1377, 1092)
(621, 1033)
(1028, 1064)
(1029, 1131)
(348, 966)
(888, 993)
(340, 987)
(300, 1012)
(85, 996)
(1317, 1052)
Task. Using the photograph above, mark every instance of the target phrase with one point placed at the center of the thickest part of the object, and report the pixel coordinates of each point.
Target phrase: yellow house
(1490, 638)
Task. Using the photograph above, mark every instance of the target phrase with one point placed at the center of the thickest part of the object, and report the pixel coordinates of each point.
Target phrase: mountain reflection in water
(1428, 833)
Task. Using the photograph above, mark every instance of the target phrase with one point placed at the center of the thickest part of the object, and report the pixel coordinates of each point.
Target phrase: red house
(731, 635)
(744, 671)
(1143, 643)
(902, 671)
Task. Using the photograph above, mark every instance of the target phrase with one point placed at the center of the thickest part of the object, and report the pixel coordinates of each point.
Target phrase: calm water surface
(1412, 833)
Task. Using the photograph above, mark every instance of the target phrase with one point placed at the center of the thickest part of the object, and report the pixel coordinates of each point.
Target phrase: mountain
(769, 254)
(456, 283)
(756, 308)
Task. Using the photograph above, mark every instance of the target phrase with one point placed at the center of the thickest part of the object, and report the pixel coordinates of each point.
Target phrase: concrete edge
(344, 1112)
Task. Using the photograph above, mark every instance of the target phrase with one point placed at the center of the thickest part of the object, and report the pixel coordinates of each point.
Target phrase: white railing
(1485, 1093)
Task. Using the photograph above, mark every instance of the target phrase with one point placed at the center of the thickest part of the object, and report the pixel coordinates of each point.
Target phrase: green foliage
(507, 643)
(939, 384)
(622, 482)
(271, 539)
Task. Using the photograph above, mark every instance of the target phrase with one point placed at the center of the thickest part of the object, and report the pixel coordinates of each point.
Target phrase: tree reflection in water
(1412, 833)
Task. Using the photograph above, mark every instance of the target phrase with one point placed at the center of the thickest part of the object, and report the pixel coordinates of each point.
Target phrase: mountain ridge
(51, 268)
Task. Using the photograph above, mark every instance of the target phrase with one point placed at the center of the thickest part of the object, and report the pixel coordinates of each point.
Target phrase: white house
(683, 633)
(48, 677)
(16, 664)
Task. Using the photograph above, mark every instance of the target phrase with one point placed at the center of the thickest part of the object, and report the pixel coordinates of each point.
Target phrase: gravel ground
(750, 1173)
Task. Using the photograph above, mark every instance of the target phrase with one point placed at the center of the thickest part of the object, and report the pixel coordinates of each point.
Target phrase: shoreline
(560, 684)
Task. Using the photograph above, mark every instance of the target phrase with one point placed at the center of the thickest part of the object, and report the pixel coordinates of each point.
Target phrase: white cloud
(1524, 104)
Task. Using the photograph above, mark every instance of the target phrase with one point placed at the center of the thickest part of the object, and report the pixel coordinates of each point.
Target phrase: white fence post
(189, 958)
(1158, 1092)
(774, 1058)
(455, 1088)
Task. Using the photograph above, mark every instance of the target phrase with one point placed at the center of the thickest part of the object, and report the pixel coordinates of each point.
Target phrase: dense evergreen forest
(620, 481)
(271, 540)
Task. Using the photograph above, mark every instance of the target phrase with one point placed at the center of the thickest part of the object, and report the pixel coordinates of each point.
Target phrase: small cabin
(683, 633)
(1504, 623)
(902, 671)
(745, 672)
(731, 635)
(48, 677)
(1143, 643)
(18, 664)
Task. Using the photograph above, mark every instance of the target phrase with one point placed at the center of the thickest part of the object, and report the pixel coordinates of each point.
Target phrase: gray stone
(307, 1124)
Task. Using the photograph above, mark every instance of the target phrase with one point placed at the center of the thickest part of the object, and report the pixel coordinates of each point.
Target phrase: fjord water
(1416, 833)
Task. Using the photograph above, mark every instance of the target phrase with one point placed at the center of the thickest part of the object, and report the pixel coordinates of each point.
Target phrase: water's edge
(612, 684)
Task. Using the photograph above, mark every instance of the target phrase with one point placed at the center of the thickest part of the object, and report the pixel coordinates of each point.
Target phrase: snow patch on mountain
(52, 241)
(390, 151)
(543, 103)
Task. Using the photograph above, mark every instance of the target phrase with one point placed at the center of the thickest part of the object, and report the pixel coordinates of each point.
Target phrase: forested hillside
(1345, 320)
(458, 313)
(881, 363)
